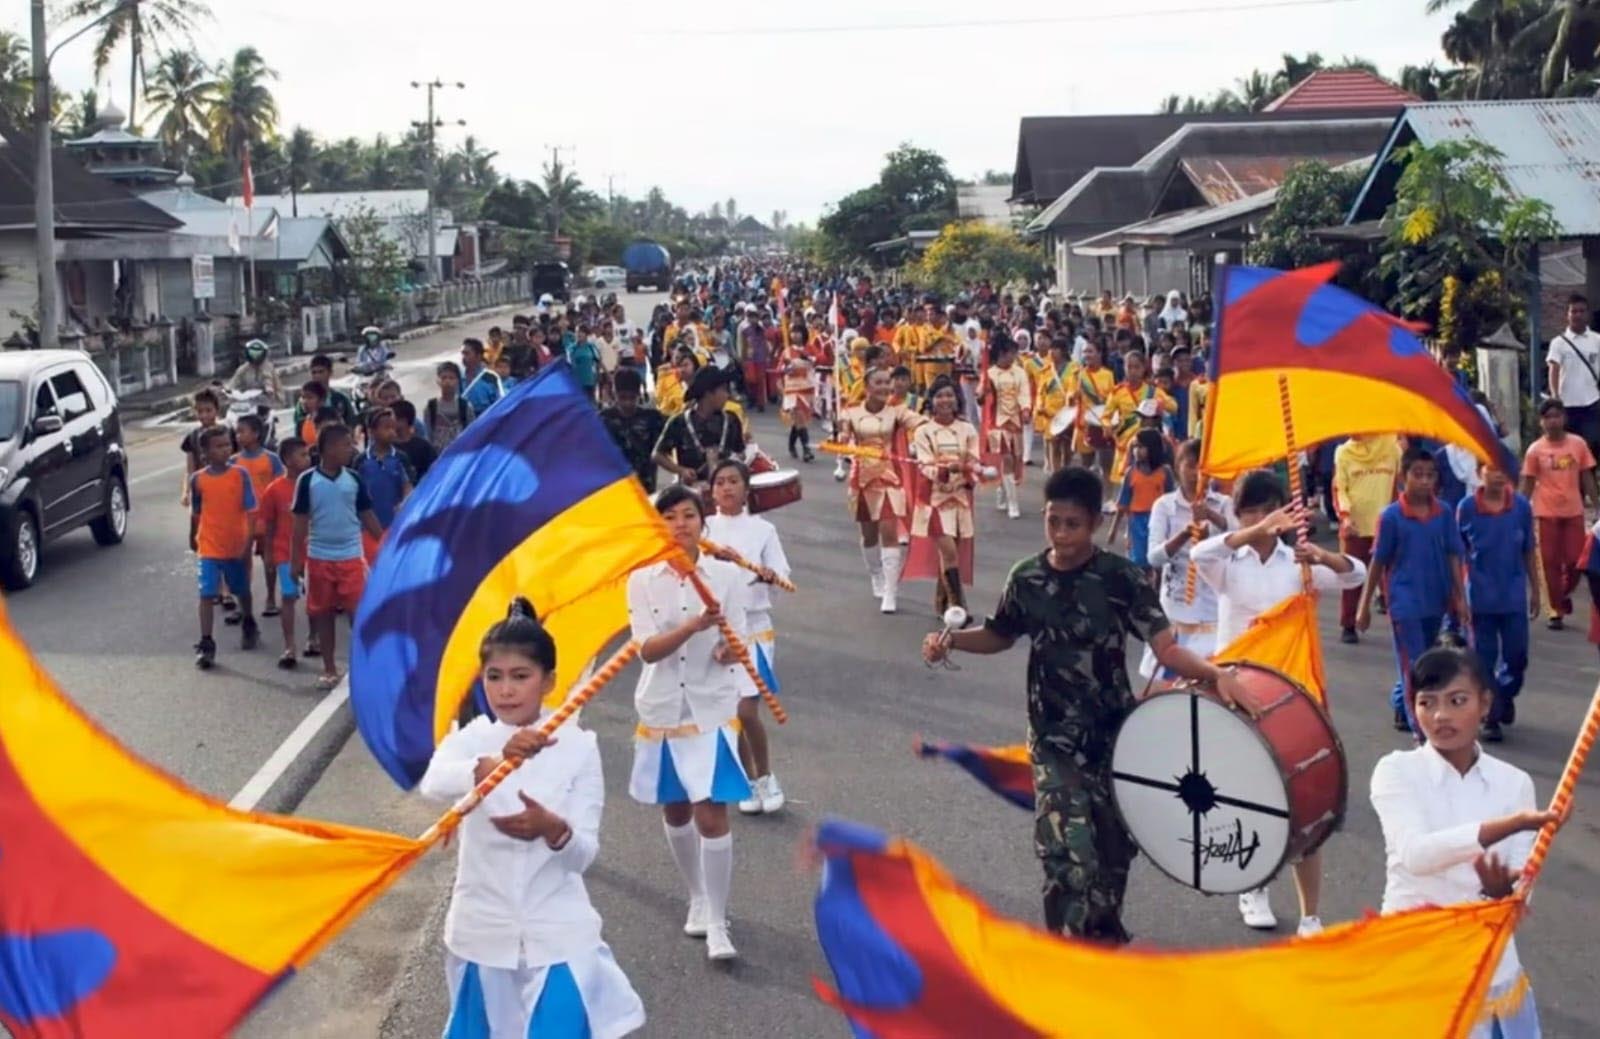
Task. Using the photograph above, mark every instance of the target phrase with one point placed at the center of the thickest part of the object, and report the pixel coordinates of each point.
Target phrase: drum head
(1201, 793)
(775, 478)
(1062, 421)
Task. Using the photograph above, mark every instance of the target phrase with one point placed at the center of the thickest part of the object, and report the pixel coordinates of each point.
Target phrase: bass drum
(1220, 801)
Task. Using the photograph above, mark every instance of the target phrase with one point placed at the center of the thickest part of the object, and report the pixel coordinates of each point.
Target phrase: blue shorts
(288, 587)
(1139, 538)
(215, 571)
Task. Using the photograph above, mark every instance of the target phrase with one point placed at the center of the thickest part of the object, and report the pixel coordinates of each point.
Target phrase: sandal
(270, 611)
(328, 682)
(288, 661)
(312, 650)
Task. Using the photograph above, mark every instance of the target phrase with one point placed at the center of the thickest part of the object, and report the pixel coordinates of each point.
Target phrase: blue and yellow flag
(533, 499)
(133, 906)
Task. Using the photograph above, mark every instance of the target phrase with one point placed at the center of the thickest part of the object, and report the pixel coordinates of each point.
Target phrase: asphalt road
(115, 626)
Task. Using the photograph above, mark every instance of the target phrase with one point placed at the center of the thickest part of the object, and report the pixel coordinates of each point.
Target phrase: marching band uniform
(799, 387)
(1123, 416)
(669, 391)
(1037, 366)
(686, 746)
(875, 488)
(948, 457)
(1193, 616)
(524, 955)
(1012, 396)
(1091, 388)
(756, 540)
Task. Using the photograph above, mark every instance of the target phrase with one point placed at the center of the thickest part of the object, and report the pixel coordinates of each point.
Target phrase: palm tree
(244, 110)
(480, 170)
(144, 23)
(1565, 34)
(560, 193)
(1257, 90)
(183, 91)
(79, 118)
(16, 78)
(301, 153)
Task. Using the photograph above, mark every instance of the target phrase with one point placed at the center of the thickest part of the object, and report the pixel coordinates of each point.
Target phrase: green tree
(970, 252)
(79, 117)
(144, 24)
(376, 269)
(244, 111)
(300, 157)
(857, 221)
(182, 91)
(1312, 195)
(1455, 217)
(16, 79)
(917, 182)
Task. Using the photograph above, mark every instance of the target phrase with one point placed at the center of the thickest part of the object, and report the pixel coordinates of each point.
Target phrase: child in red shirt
(277, 537)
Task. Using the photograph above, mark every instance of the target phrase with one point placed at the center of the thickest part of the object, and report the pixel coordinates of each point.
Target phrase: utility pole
(555, 178)
(44, 184)
(44, 190)
(433, 170)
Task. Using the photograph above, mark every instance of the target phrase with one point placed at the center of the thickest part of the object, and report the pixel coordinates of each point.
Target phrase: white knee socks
(685, 843)
(874, 561)
(1027, 442)
(716, 866)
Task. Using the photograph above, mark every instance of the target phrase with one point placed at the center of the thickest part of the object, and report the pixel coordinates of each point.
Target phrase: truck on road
(647, 263)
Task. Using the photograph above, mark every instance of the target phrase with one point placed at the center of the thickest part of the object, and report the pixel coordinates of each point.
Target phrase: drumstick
(725, 553)
(736, 644)
(451, 819)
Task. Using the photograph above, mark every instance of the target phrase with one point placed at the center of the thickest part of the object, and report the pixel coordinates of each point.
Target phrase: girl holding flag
(754, 540)
(686, 746)
(524, 955)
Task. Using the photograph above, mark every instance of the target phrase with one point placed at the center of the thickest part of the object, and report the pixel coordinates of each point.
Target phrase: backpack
(431, 411)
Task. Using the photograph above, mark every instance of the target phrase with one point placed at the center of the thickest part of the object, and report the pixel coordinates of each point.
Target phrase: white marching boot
(891, 578)
(874, 569)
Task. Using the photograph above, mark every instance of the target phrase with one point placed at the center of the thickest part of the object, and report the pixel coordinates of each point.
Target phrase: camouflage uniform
(1078, 622)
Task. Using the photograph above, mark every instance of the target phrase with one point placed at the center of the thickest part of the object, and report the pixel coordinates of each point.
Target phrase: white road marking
(291, 748)
(152, 474)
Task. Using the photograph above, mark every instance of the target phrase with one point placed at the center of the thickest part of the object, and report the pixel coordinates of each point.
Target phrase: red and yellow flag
(916, 956)
(132, 906)
(1285, 639)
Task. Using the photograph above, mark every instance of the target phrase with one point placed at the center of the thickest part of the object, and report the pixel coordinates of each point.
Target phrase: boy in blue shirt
(386, 472)
(1502, 589)
(1416, 560)
(480, 386)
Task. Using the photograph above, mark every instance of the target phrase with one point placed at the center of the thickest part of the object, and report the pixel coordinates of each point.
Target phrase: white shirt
(688, 685)
(1246, 587)
(1430, 815)
(518, 903)
(1171, 513)
(757, 541)
(1568, 352)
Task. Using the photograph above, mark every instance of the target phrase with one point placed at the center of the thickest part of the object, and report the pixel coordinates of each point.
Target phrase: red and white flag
(249, 182)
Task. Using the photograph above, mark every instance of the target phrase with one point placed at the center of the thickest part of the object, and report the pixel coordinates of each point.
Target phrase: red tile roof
(1342, 88)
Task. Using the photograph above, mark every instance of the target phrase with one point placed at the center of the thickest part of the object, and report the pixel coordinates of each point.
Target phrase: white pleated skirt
(689, 768)
(585, 997)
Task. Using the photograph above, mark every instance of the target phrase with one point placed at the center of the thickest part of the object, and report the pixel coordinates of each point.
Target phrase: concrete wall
(19, 287)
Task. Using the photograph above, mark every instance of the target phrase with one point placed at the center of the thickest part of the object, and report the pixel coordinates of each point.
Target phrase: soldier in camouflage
(1077, 604)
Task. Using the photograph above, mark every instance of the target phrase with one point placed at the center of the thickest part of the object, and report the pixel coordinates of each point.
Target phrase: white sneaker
(772, 799)
(699, 921)
(1309, 925)
(889, 603)
(1110, 509)
(1256, 908)
(752, 804)
(718, 945)
(839, 472)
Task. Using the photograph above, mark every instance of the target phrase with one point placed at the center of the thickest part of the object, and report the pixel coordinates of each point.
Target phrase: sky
(780, 106)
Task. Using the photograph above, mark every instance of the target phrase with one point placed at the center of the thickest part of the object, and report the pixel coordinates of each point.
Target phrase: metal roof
(1549, 150)
(204, 216)
(1224, 179)
(1342, 88)
(298, 238)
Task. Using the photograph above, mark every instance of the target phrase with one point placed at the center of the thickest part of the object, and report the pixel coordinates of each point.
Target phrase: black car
(553, 277)
(62, 461)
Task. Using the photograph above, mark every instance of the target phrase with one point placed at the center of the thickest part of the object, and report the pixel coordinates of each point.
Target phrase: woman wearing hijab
(1173, 315)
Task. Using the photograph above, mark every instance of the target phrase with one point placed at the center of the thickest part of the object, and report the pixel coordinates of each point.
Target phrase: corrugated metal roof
(1342, 88)
(1224, 179)
(1550, 150)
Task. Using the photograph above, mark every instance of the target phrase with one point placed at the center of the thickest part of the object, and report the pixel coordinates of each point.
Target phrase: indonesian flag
(249, 182)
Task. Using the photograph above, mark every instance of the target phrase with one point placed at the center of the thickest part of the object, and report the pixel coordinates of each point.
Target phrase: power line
(997, 23)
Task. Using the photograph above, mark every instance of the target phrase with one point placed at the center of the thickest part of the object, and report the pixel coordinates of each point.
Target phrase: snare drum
(1062, 421)
(1220, 801)
(773, 490)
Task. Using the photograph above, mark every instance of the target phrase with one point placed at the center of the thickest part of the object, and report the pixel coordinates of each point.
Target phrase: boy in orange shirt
(1558, 478)
(277, 535)
(263, 467)
(221, 531)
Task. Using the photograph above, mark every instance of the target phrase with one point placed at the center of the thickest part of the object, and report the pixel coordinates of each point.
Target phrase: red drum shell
(762, 463)
(773, 490)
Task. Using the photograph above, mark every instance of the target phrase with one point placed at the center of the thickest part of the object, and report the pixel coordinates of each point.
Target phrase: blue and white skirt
(586, 997)
(687, 766)
(763, 645)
